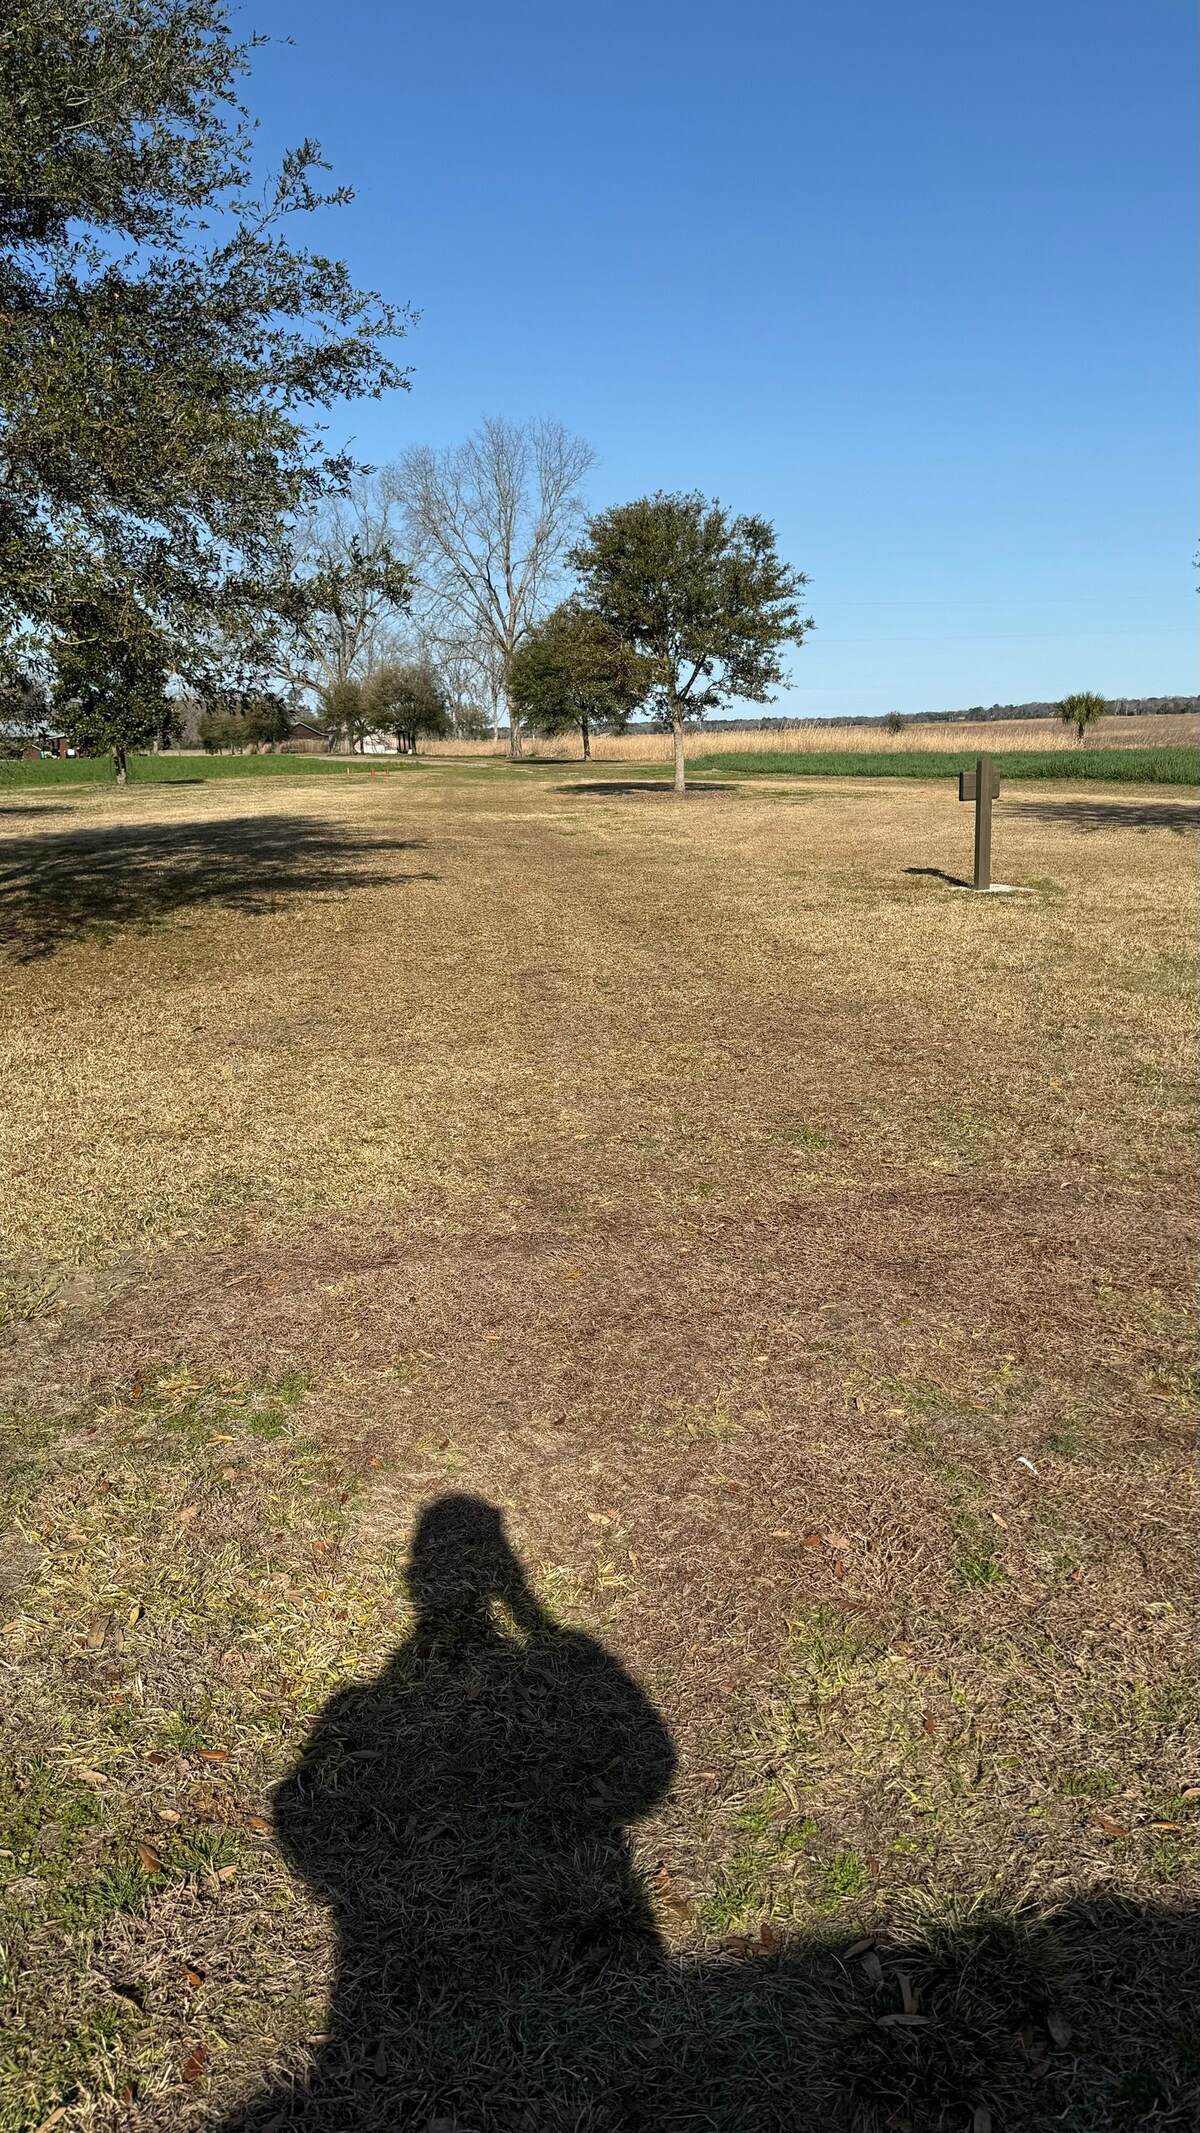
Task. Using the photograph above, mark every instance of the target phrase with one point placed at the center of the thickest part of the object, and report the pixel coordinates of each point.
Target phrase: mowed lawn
(597, 1404)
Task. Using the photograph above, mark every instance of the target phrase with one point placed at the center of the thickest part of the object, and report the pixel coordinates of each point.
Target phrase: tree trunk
(587, 740)
(120, 767)
(677, 744)
(514, 737)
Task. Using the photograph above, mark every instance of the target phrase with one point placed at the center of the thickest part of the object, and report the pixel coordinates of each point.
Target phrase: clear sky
(913, 278)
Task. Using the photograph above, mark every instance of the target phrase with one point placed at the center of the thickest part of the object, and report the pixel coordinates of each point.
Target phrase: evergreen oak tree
(574, 672)
(163, 342)
(701, 596)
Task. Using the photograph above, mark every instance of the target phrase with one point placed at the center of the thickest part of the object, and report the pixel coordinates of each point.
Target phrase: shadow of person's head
(460, 1569)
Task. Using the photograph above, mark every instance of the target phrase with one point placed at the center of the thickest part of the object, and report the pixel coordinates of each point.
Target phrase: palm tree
(1082, 711)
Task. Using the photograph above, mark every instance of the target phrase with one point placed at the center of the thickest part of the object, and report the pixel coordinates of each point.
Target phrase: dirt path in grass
(795, 1252)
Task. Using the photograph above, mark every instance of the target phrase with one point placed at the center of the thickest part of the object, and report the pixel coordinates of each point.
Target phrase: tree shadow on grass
(643, 785)
(465, 1818)
(71, 884)
(1178, 815)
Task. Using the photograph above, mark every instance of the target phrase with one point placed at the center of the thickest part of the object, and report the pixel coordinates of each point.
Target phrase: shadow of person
(464, 1816)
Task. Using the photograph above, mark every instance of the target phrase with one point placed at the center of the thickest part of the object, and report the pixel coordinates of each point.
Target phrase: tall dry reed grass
(1165, 730)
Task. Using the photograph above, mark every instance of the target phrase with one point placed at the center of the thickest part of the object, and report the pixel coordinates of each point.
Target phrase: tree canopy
(574, 672)
(163, 343)
(701, 595)
(1082, 710)
(407, 698)
(111, 672)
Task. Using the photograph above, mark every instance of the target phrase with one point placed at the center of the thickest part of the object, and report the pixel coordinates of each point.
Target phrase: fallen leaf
(811, 1540)
(981, 2119)
(213, 1755)
(767, 1939)
(999, 1521)
(929, 1723)
(223, 1438)
(226, 1873)
(1059, 2028)
(135, 1613)
(780, 1533)
(190, 1510)
(229, 1473)
(149, 1859)
(53, 2119)
(836, 1540)
(893, 1410)
(906, 1651)
(904, 2021)
(873, 1968)
(1111, 1827)
(908, 1998)
(859, 1947)
(195, 2063)
(98, 1632)
(1185, 1826)
(259, 1823)
(167, 1814)
(192, 1976)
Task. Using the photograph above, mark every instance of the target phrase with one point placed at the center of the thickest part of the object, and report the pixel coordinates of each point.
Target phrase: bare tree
(487, 525)
(346, 586)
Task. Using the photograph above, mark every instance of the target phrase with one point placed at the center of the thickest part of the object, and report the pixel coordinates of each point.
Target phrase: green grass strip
(1126, 766)
(187, 769)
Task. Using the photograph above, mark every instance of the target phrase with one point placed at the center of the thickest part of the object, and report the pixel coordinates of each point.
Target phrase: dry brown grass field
(598, 1492)
(1155, 730)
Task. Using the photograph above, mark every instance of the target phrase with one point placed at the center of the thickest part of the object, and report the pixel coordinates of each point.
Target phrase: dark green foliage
(701, 596)
(254, 722)
(1082, 710)
(574, 672)
(343, 713)
(162, 343)
(111, 666)
(407, 699)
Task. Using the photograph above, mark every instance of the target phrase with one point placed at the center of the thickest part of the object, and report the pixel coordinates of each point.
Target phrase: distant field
(650, 744)
(1138, 766)
(1161, 765)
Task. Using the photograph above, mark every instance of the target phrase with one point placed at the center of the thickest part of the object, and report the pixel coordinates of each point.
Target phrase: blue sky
(913, 278)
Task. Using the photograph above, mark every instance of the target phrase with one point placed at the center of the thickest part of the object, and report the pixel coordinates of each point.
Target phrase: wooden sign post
(981, 785)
